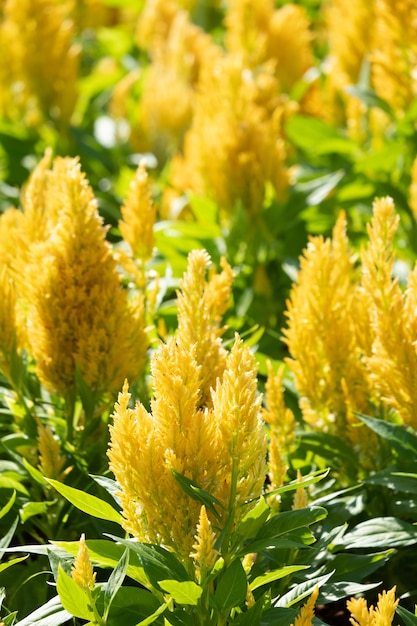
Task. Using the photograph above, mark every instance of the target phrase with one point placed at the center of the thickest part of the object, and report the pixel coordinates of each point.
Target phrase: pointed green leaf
(116, 579)
(49, 614)
(153, 617)
(301, 591)
(158, 563)
(311, 479)
(408, 618)
(6, 508)
(253, 521)
(73, 598)
(232, 587)
(388, 532)
(86, 502)
(187, 592)
(276, 574)
(8, 564)
(196, 493)
(401, 439)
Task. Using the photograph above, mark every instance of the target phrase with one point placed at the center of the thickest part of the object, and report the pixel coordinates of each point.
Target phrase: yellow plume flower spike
(78, 312)
(201, 304)
(382, 615)
(51, 461)
(231, 152)
(43, 60)
(300, 500)
(276, 414)
(139, 216)
(393, 316)
(9, 336)
(236, 408)
(305, 618)
(204, 553)
(321, 334)
(82, 570)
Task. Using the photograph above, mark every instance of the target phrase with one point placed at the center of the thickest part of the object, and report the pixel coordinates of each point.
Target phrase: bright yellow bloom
(9, 338)
(393, 317)
(82, 570)
(78, 314)
(232, 151)
(168, 87)
(394, 52)
(42, 65)
(221, 449)
(321, 335)
(300, 500)
(305, 618)
(139, 214)
(51, 461)
(204, 553)
(201, 305)
(381, 615)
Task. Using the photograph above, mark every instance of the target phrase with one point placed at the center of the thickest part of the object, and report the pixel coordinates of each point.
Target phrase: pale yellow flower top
(82, 570)
(382, 615)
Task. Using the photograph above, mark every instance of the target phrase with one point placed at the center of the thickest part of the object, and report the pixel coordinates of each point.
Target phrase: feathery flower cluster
(322, 337)
(82, 570)
(39, 80)
(220, 446)
(352, 338)
(381, 615)
(201, 305)
(232, 151)
(78, 316)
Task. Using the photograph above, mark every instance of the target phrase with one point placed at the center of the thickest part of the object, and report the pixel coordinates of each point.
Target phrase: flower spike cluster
(220, 446)
(78, 315)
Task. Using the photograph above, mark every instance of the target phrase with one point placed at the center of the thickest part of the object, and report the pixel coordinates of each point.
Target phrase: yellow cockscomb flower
(79, 316)
(321, 335)
(9, 336)
(204, 553)
(42, 60)
(381, 615)
(82, 570)
(232, 151)
(139, 214)
(222, 448)
(305, 618)
(393, 318)
(201, 305)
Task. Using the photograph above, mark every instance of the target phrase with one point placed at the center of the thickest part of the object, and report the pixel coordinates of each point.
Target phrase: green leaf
(401, 439)
(252, 617)
(408, 618)
(49, 614)
(29, 509)
(153, 617)
(158, 563)
(232, 587)
(311, 479)
(116, 579)
(337, 590)
(4, 566)
(283, 523)
(73, 598)
(86, 502)
(370, 98)
(301, 591)
(355, 567)
(379, 532)
(315, 136)
(130, 605)
(196, 493)
(187, 592)
(35, 473)
(276, 574)
(6, 539)
(6, 508)
(253, 521)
